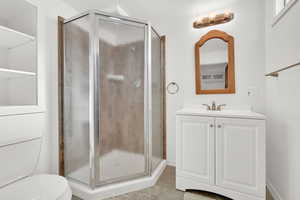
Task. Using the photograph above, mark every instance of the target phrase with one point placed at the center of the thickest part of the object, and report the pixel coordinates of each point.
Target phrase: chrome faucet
(214, 107)
(207, 106)
(219, 107)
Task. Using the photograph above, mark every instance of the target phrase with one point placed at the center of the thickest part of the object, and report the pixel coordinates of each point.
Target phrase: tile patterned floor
(165, 190)
(269, 196)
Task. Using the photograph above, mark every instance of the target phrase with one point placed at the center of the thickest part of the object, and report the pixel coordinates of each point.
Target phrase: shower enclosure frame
(94, 96)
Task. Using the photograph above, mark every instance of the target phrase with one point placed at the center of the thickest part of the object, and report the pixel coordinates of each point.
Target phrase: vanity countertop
(248, 114)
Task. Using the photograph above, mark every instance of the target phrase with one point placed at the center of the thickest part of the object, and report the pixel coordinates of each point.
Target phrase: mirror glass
(214, 64)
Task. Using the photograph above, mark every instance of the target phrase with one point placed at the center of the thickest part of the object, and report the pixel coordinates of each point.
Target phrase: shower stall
(113, 102)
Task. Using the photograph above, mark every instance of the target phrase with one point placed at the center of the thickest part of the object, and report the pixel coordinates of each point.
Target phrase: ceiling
(148, 8)
(155, 10)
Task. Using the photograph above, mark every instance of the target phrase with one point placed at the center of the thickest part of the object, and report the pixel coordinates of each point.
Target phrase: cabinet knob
(219, 126)
(211, 125)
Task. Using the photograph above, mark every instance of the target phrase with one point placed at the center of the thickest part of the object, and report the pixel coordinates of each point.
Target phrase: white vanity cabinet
(195, 148)
(221, 152)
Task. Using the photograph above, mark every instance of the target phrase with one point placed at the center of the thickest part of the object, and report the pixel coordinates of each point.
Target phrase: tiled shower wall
(122, 101)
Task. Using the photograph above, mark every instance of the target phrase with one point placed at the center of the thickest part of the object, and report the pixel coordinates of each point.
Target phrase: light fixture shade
(214, 20)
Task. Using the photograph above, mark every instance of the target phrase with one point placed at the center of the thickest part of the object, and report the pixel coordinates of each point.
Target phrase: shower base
(116, 163)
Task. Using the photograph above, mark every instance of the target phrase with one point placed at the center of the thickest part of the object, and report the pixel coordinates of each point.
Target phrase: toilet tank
(20, 144)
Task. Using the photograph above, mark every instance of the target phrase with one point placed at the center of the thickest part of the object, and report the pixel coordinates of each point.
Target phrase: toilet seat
(38, 187)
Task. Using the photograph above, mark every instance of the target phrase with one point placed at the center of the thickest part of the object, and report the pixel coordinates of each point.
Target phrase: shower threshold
(116, 189)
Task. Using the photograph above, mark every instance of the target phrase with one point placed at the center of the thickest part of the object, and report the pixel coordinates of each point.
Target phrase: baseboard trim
(170, 163)
(274, 192)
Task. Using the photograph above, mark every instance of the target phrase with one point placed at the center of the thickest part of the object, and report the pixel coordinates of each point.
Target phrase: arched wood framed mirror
(214, 62)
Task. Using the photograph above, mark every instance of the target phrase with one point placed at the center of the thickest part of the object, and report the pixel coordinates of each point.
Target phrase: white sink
(223, 113)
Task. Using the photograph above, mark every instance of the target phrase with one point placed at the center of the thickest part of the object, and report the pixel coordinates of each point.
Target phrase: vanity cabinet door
(195, 148)
(240, 155)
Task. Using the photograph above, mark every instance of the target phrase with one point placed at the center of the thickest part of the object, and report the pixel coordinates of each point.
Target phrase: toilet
(19, 156)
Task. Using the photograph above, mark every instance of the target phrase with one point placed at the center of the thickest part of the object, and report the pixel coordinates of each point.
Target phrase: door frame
(164, 114)
(60, 39)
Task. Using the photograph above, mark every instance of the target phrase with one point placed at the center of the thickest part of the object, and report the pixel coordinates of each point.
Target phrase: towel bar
(276, 73)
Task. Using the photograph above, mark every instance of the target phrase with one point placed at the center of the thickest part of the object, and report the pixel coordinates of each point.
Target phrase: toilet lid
(38, 187)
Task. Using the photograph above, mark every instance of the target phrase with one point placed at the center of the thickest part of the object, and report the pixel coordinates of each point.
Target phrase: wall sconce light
(214, 20)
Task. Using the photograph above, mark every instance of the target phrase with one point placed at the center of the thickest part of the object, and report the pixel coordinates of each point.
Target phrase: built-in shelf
(9, 73)
(19, 77)
(10, 38)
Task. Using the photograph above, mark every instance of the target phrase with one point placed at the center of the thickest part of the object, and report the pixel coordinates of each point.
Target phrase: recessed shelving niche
(10, 38)
(18, 53)
(8, 73)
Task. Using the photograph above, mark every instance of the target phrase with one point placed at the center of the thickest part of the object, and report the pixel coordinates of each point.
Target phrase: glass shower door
(122, 99)
(157, 100)
(76, 100)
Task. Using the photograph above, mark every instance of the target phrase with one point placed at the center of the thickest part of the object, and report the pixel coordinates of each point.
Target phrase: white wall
(174, 19)
(283, 97)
